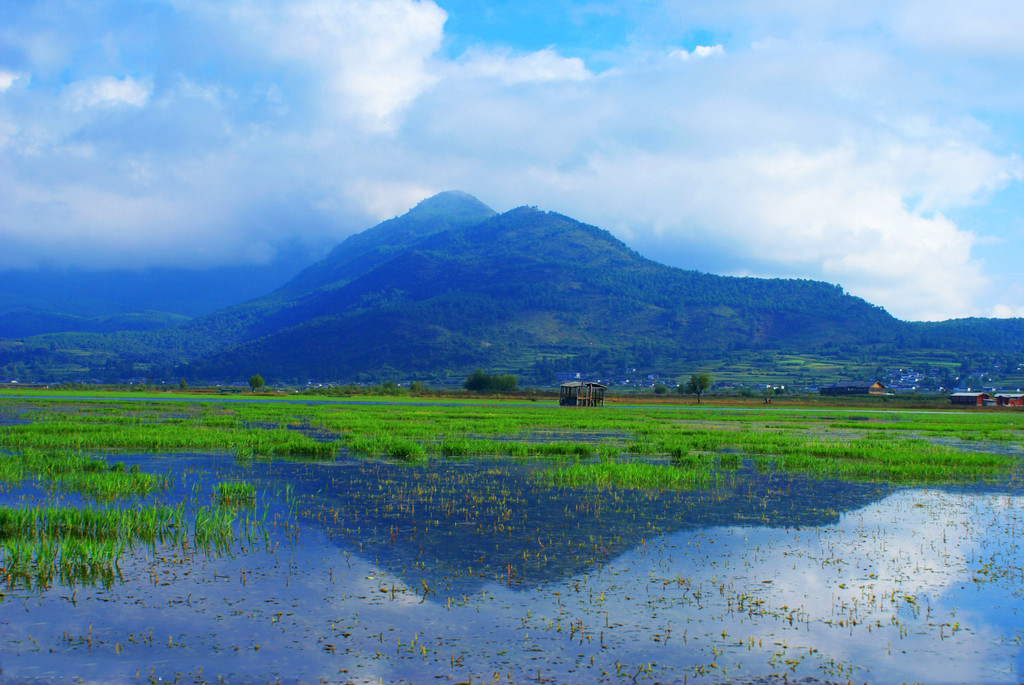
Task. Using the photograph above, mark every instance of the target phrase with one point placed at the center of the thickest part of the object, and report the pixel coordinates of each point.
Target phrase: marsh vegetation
(509, 543)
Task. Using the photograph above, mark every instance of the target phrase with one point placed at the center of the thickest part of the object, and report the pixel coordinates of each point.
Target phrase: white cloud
(535, 67)
(699, 51)
(804, 184)
(981, 27)
(7, 128)
(7, 79)
(101, 227)
(708, 50)
(108, 92)
(822, 147)
(1003, 311)
(372, 58)
(831, 215)
(385, 200)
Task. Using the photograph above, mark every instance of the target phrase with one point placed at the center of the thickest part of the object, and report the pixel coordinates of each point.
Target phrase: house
(853, 388)
(581, 394)
(974, 399)
(1010, 400)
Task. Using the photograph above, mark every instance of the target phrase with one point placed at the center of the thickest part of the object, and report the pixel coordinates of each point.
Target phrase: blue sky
(877, 145)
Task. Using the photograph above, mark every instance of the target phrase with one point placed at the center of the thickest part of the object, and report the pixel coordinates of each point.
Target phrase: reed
(235, 493)
(213, 528)
(77, 472)
(630, 475)
(84, 545)
(144, 523)
(78, 545)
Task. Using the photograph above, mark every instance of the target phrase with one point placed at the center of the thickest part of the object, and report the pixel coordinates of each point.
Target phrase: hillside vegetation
(451, 286)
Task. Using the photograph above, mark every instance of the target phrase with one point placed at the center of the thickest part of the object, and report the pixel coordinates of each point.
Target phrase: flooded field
(427, 564)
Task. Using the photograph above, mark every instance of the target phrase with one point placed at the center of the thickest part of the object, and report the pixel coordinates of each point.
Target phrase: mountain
(23, 322)
(38, 301)
(308, 295)
(451, 286)
(526, 285)
(362, 252)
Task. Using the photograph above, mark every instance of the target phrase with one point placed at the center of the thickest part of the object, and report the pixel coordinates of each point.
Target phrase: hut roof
(854, 384)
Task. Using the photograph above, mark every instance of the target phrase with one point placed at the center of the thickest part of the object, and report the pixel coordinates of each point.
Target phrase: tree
(660, 389)
(256, 382)
(698, 384)
(182, 384)
(485, 382)
(477, 381)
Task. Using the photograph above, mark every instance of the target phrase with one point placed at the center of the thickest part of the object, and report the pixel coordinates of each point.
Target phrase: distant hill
(22, 322)
(38, 301)
(451, 286)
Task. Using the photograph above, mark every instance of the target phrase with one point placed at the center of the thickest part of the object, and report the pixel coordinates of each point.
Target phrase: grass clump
(405, 450)
(77, 472)
(213, 528)
(236, 493)
(77, 545)
(904, 461)
(389, 446)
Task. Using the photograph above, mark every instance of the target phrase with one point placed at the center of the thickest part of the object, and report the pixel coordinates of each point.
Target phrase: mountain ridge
(444, 301)
(452, 285)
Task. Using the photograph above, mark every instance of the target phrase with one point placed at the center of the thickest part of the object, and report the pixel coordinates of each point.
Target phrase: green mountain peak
(361, 252)
(451, 204)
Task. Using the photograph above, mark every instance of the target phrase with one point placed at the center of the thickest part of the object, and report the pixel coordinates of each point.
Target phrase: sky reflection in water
(467, 569)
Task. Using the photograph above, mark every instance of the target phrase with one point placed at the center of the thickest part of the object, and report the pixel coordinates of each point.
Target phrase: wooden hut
(581, 394)
(976, 399)
(853, 388)
(1010, 399)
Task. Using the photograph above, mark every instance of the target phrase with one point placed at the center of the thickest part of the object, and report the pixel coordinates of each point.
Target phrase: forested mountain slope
(450, 286)
(528, 284)
(306, 295)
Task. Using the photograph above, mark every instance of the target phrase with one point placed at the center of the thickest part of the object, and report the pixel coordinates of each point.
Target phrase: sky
(875, 145)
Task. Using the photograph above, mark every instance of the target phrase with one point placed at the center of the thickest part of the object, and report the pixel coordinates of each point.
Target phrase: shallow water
(466, 571)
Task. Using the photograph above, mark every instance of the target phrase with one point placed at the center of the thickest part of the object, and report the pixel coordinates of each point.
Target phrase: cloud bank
(878, 147)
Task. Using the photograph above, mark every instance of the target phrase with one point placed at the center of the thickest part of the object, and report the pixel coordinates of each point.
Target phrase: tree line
(479, 381)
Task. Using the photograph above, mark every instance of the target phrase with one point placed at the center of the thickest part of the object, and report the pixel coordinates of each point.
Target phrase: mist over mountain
(451, 285)
(47, 300)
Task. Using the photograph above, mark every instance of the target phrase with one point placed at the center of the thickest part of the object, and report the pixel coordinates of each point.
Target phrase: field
(507, 541)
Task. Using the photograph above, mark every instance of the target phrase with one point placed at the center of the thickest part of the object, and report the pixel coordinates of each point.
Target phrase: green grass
(76, 472)
(74, 446)
(234, 493)
(77, 545)
(85, 545)
(858, 443)
(113, 432)
(146, 523)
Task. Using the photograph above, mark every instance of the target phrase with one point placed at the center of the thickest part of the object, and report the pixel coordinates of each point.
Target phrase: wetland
(218, 541)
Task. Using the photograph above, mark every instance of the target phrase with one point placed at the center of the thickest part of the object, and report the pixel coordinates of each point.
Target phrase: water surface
(468, 571)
